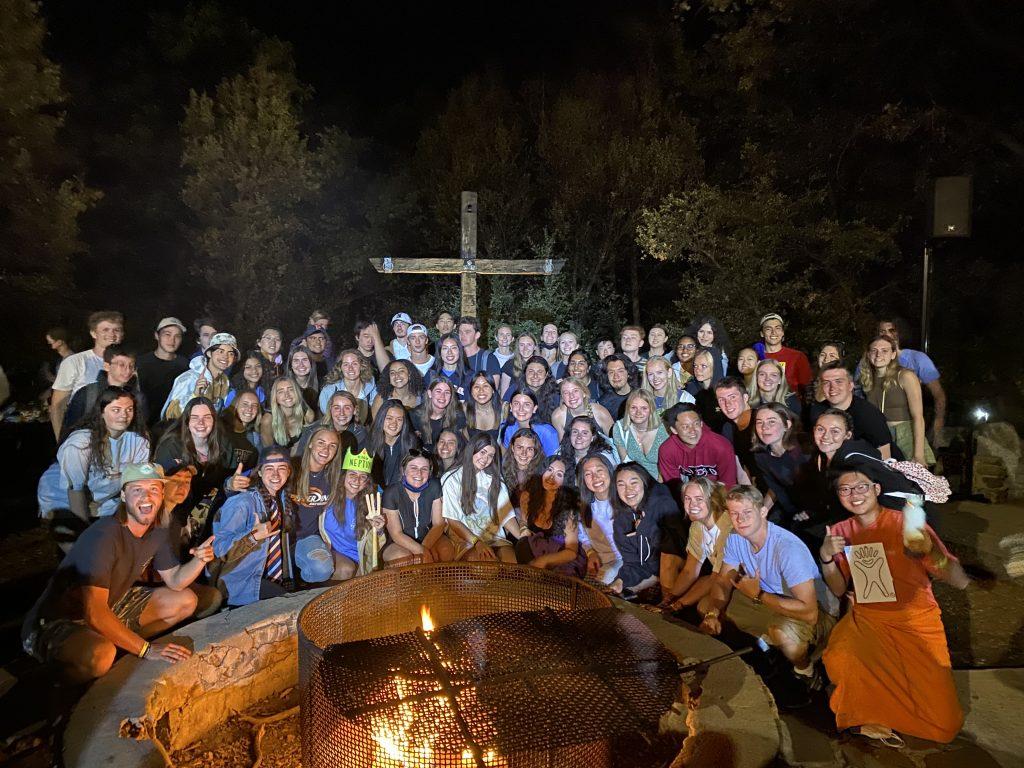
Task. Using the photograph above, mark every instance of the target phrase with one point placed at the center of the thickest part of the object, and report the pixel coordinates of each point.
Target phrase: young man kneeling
(769, 585)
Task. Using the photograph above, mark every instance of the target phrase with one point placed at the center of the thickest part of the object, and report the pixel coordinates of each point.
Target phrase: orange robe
(889, 661)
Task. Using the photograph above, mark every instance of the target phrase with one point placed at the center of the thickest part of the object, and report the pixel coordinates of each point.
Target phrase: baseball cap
(145, 471)
(417, 328)
(274, 454)
(170, 321)
(223, 339)
(771, 316)
(403, 316)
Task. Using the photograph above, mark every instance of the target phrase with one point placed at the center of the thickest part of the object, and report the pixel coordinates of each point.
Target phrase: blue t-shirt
(920, 364)
(547, 434)
(343, 535)
(782, 562)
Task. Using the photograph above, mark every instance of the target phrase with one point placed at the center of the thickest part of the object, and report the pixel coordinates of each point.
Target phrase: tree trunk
(634, 287)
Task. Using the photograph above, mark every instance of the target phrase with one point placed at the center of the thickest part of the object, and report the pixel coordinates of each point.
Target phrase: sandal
(886, 736)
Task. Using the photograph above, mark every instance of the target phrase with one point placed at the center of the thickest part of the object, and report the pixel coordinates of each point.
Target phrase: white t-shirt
(599, 537)
(480, 520)
(77, 370)
(502, 359)
(424, 367)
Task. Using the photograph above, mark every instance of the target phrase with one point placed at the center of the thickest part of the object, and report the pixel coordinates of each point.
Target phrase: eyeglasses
(687, 346)
(846, 490)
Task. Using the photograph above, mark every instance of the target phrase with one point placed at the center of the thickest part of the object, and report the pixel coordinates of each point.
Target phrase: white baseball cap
(170, 321)
(403, 316)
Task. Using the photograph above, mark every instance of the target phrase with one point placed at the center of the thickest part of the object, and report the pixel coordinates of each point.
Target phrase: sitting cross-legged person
(551, 511)
(888, 656)
(415, 515)
(649, 533)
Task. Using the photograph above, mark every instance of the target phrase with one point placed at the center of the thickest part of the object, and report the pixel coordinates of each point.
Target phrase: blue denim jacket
(243, 561)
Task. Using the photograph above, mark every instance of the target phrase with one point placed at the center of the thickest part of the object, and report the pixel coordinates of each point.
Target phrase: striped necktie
(274, 563)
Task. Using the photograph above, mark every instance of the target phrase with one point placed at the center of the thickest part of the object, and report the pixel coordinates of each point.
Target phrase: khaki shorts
(756, 620)
(49, 635)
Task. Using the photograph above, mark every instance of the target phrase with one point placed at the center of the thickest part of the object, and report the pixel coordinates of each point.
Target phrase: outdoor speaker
(951, 207)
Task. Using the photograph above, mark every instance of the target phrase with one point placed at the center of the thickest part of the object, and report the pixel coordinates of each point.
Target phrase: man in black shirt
(868, 422)
(158, 369)
(734, 403)
(92, 606)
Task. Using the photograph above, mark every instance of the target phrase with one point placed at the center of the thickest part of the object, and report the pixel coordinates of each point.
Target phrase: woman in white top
(594, 480)
(660, 380)
(85, 482)
(353, 374)
(477, 507)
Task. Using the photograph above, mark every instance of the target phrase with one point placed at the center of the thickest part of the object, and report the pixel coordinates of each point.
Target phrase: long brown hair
(480, 441)
(333, 469)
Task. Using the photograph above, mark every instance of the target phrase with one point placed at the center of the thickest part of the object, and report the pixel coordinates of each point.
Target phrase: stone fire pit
(246, 655)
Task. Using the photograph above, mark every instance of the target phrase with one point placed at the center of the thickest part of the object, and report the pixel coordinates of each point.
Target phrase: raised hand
(239, 482)
(204, 551)
(832, 545)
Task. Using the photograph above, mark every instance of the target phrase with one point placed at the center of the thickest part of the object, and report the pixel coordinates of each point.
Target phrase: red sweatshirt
(711, 457)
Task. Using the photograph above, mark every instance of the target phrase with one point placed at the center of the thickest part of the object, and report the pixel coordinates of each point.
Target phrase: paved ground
(984, 625)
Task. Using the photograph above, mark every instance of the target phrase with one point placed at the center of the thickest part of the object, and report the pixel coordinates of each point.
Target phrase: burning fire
(391, 734)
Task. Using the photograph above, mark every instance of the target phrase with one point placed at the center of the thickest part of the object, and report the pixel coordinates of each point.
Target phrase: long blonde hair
(781, 392)
(653, 420)
(279, 416)
(889, 377)
(671, 383)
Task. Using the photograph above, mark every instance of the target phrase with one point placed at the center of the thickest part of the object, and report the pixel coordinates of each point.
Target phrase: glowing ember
(425, 620)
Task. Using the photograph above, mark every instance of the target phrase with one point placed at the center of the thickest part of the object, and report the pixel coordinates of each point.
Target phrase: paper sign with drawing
(872, 579)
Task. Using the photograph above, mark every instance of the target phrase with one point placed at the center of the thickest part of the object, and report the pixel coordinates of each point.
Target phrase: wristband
(712, 614)
(827, 562)
(145, 649)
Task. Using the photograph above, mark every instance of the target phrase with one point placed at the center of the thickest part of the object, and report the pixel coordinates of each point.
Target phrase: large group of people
(731, 486)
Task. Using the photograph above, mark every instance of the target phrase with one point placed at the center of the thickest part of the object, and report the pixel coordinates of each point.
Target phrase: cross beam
(468, 266)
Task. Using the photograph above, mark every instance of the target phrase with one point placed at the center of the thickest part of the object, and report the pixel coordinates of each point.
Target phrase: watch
(758, 596)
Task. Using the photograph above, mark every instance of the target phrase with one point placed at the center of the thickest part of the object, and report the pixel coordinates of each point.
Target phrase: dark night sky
(382, 69)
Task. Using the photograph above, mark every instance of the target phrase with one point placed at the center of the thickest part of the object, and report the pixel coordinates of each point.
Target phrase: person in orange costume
(889, 660)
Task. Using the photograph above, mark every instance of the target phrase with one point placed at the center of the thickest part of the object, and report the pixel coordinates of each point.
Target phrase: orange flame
(425, 621)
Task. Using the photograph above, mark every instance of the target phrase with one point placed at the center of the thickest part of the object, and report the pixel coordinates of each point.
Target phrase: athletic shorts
(49, 635)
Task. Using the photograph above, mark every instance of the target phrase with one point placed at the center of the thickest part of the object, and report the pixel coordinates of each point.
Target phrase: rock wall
(998, 471)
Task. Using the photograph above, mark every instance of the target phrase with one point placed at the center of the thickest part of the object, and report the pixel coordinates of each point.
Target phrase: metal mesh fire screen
(525, 669)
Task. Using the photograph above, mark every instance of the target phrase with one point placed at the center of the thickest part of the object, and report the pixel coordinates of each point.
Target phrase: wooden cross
(468, 265)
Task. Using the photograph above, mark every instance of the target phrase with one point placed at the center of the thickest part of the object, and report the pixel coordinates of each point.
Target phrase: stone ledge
(240, 657)
(247, 654)
(735, 722)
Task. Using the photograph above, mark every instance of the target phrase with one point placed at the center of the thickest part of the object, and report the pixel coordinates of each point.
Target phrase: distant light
(980, 414)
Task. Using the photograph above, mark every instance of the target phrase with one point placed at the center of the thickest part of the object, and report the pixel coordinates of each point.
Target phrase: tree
(263, 232)
(40, 197)
(756, 250)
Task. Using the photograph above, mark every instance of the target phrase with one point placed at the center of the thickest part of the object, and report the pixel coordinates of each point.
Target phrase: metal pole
(925, 297)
